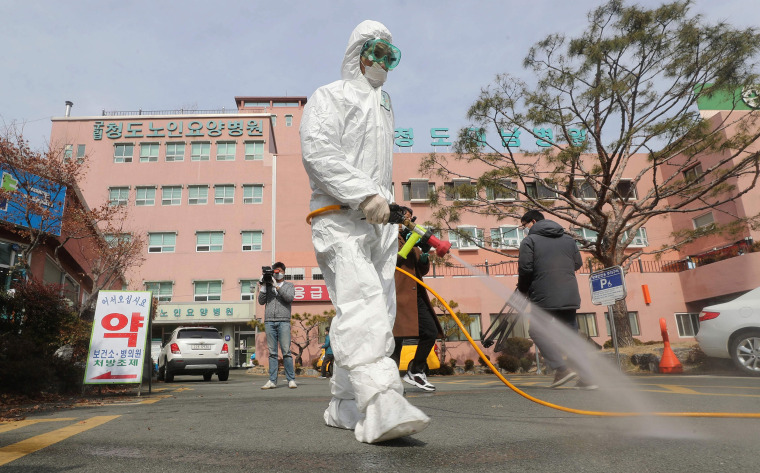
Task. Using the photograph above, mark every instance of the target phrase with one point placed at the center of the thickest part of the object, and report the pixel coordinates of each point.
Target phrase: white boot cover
(390, 416)
(342, 413)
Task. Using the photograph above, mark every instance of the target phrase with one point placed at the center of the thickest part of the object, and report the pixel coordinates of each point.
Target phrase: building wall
(286, 235)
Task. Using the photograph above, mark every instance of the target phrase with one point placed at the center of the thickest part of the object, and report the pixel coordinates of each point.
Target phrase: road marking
(30, 445)
(672, 388)
(23, 423)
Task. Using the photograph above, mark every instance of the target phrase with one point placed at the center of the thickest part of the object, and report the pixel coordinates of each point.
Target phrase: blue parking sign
(607, 286)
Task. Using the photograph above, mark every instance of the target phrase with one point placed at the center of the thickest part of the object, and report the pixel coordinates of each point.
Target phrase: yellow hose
(563, 408)
(322, 210)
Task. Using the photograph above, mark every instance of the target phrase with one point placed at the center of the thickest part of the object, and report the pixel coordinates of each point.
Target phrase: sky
(163, 55)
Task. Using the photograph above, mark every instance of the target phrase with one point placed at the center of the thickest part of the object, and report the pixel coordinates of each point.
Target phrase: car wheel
(223, 375)
(207, 376)
(168, 375)
(161, 370)
(745, 351)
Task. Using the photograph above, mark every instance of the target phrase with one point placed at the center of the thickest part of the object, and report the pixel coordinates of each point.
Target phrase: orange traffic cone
(669, 362)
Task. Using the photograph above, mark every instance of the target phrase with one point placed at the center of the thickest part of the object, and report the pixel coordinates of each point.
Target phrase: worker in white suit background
(347, 144)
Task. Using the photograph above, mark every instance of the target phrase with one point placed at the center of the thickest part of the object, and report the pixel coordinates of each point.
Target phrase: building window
(589, 235)
(633, 321)
(163, 242)
(80, 153)
(473, 328)
(175, 151)
(316, 274)
(114, 240)
(539, 191)
(583, 190)
(118, 196)
(703, 220)
(209, 241)
(171, 195)
(640, 240)
(200, 151)
(288, 120)
(68, 153)
(225, 151)
(688, 324)
(224, 194)
(417, 190)
(208, 291)
(197, 195)
(693, 174)
(162, 290)
(459, 189)
(295, 274)
(587, 324)
(122, 152)
(149, 152)
(274, 120)
(145, 196)
(626, 189)
(503, 190)
(254, 150)
(247, 289)
(253, 194)
(466, 238)
(508, 236)
(252, 240)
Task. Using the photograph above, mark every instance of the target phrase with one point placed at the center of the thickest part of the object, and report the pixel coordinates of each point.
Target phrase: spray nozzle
(422, 235)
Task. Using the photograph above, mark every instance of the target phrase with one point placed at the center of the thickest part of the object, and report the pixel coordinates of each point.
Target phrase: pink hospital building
(217, 194)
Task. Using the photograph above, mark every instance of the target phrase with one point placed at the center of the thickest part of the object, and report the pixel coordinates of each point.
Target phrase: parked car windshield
(199, 333)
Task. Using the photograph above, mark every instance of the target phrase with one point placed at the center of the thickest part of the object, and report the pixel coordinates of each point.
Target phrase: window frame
(534, 189)
(451, 193)
(509, 189)
(253, 199)
(163, 246)
(712, 220)
(255, 156)
(409, 186)
(226, 156)
(145, 200)
(146, 152)
(248, 241)
(171, 199)
(123, 158)
(693, 319)
(172, 156)
(123, 197)
(223, 200)
(500, 242)
(454, 238)
(200, 155)
(208, 295)
(198, 198)
(585, 321)
(251, 293)
(210, 246)
(160, 293)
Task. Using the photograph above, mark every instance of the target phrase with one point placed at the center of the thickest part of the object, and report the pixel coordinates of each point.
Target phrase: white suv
(194, 350)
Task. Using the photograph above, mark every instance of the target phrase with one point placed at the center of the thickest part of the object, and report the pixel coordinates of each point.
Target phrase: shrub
(517, 347)
(445, 370)
(508, 362)
(453, 362)
(469, 365)
(481, 362)
(526, 363)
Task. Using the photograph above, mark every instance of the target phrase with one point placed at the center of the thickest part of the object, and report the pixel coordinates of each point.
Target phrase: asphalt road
(478, 424)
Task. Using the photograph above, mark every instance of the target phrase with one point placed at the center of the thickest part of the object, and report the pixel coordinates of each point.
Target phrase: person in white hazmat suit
(347, 145)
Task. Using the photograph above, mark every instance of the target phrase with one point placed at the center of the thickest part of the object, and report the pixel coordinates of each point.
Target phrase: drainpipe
(274, 205)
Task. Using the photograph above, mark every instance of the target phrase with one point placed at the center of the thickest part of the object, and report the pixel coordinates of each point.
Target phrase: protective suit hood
(367, 29)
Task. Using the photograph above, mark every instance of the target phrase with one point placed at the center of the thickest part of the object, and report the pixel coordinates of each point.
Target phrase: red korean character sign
(118, 340)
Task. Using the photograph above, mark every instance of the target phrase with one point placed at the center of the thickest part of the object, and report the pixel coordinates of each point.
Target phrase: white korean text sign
(607, 286)
(118, 340)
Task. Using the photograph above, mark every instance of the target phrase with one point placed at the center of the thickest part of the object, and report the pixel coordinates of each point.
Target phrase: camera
(267, 274)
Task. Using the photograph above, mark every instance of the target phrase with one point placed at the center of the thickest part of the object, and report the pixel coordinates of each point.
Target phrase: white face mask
(375, 75)
(279, 276)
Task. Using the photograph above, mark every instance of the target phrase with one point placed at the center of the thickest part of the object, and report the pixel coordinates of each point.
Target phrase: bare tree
(449, 326)
(307, 323)
(620, 140)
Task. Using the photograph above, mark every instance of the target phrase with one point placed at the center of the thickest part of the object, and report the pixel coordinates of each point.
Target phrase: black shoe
(563, 376)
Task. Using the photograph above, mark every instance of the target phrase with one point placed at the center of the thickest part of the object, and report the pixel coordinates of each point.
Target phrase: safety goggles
(381, 51)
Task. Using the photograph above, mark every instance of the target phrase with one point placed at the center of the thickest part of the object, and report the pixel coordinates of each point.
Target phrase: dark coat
(406, 324)
(546, 269)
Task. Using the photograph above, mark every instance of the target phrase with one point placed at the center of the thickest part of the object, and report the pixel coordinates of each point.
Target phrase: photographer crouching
(276, 295)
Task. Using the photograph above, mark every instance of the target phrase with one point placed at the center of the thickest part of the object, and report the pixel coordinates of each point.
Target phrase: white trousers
(358, 262)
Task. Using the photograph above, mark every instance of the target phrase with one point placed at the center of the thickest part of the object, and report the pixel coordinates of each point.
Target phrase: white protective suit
(347, 146)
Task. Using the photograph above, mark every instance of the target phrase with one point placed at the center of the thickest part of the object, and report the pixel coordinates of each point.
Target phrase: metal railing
(181, 111)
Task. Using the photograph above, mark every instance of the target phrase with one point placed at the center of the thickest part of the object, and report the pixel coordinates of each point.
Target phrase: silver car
(732, 330)
(194, 351)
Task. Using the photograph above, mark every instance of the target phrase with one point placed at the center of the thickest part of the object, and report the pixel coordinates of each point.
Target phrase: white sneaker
(269, 385)
(416, 379)
(292, 384)
(428, 384)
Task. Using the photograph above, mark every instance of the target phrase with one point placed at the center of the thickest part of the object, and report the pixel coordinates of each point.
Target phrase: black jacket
(546, 268)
